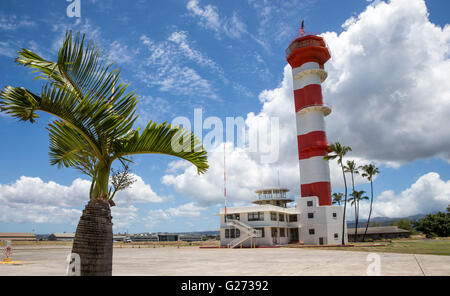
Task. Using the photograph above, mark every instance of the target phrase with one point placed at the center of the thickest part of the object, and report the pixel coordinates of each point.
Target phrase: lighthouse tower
(307, 55)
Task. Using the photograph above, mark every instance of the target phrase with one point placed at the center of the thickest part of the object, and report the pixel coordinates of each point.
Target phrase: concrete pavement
(194, 261)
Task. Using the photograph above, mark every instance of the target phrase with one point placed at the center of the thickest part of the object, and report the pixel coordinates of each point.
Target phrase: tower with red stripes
(307, 56)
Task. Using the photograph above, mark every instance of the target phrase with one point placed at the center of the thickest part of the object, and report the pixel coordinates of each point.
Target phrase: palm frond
(351, 167)
(164, 139)
(330, 157)
(19, 103)
(338, 150)
(369, 170)
(81, 70)
(68, 148)
(357, 196)
(23, 104)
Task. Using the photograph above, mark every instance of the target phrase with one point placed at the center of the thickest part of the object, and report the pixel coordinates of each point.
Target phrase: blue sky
(386, 86)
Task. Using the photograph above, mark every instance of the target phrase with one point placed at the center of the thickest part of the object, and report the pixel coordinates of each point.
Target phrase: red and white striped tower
(307, 55)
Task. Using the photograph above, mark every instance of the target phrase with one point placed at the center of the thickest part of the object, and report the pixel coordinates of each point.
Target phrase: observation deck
(309, 48)
(273, 196)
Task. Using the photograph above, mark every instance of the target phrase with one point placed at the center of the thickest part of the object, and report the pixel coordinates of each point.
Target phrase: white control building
(272, 221)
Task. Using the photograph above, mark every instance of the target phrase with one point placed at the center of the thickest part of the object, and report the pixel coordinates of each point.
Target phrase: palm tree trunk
(94, 239)
(345, 205)
(370, 211)
(357, 220)
(356, 215)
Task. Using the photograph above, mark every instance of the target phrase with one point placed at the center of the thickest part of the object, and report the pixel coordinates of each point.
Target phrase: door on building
(293, 235)
(320, 240)
(275, 235)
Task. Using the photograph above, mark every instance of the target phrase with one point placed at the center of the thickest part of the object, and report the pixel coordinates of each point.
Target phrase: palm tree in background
(369, 170)
(357, 196)
(339, 153)
(337, 198)
(94, 127)
(353, 170)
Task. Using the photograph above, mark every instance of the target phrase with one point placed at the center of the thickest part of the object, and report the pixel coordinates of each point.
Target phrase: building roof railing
(272, 190)
(275, 194)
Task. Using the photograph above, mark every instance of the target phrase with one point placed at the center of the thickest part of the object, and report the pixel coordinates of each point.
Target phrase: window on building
(256, 216)
(292, 218)
(233, 216)
(281, 217)
(274, 231)
(282, 232)
(261, 230)
(336, 236)
(309, 203)
(334, 215)
(311, 231)
(232, 233)
(310, 215)
(273, 216)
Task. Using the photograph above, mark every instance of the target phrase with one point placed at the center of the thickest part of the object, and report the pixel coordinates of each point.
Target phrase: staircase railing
(246, 232)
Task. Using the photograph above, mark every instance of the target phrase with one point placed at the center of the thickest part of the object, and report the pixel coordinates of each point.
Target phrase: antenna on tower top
(301, 31)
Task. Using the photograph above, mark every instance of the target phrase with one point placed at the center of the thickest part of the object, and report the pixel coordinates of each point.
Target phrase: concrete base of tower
(320, 225)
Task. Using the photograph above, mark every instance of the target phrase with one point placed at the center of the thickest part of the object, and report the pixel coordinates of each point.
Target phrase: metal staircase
(246, 232)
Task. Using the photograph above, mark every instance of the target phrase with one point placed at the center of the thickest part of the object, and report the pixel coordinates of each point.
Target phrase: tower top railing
(304, 35)
(295, 43)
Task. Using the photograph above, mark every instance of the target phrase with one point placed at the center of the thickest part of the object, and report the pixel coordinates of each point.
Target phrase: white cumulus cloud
(388, 84)
(189, 210)
(427, 195)
(30, 199)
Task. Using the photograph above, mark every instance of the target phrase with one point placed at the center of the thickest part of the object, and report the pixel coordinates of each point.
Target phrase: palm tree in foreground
(339, 153)
(353, 170)
(369, 170)
(357, 196)
(94, 127)
(337, 198)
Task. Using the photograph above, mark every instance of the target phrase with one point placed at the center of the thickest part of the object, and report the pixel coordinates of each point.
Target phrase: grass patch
(429, 246)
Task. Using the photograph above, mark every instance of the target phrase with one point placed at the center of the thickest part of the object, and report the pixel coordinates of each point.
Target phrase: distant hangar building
(16, 236)
(378, 233)
(61, 237)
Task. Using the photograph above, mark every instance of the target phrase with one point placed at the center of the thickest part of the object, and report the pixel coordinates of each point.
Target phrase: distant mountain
(384, 221)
